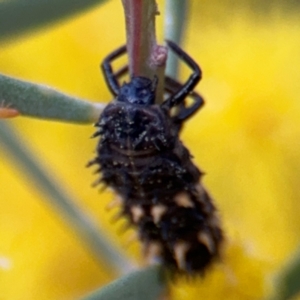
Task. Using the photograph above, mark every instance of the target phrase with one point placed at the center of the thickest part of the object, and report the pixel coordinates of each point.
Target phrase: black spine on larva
(145, 163)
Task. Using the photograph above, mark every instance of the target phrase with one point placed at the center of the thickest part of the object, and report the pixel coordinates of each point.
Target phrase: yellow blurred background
(246, 138)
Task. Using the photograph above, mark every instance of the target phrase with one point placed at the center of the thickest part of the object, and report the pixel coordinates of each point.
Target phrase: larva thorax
(135, 128)
(140, 154)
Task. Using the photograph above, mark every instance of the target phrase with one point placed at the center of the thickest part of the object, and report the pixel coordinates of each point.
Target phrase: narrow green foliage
(146, 284)
(176, 11)
(20, 16)
(56, 196)
(288, 282)
(43, 102)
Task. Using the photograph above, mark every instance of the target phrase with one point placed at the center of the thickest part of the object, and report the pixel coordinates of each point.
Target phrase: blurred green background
(246, 138)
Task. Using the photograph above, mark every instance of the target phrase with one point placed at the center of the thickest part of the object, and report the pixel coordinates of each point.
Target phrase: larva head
(140, 90)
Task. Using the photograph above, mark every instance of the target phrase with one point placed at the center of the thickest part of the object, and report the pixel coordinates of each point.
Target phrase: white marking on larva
(183, 199)
(213, 221)
(137, 213)
(114, 203)
(205, 239)
(180, 250)
(202, 198)
(200, 189)
(152, 251)
(157, 212)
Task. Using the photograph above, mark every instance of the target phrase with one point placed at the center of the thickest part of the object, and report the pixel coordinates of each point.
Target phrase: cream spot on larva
(180, 250)
(115, 203)
(183, 199)
(152, 251)
(137, 213)
(213, 221)
(157, 212)
(205, 239)
(200, 189)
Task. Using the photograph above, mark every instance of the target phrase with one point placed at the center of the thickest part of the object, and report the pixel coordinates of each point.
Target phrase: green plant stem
(288, 281)
(40, 101)
(140, 35)
(176, 12)
(146, 284)
(80, 221)
(19, 16)
(146, 58)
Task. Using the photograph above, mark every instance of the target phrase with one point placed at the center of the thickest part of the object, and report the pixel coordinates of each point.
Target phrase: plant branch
(146, 284)
(176, 12)
(146, 58)
(40, 101)
(19, 16)
(288, 281)
(81, 222)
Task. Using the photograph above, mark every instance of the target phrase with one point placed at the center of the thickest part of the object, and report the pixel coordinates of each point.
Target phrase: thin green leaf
(288, 282)
(43, 102)
(20, 16)
(81, 222)
(176, 12)
(146, 284)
